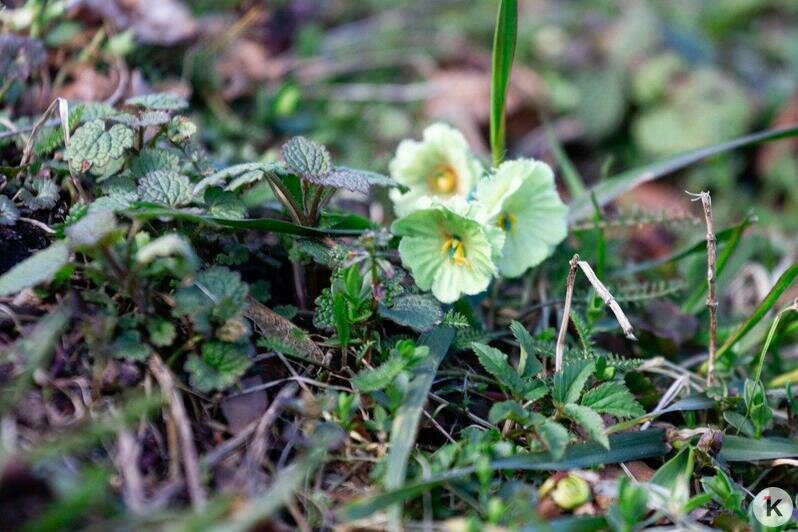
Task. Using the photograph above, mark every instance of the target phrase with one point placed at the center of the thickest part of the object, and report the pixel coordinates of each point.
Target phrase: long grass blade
(503, 52)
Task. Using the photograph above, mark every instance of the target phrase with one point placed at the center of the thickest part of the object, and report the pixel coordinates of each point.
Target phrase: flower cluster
(461, 225)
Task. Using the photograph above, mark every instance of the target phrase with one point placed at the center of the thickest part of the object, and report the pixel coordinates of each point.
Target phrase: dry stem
(712, 301)
(566, 314)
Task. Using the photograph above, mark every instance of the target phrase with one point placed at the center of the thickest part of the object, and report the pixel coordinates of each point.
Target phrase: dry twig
(712, 301)
(566, 314)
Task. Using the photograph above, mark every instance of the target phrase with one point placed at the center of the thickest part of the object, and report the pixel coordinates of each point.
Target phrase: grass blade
(611, 188)
(503, 52)
(570, 174)
(405, 424)
(741, 449)
(784, 282)
(624, 447)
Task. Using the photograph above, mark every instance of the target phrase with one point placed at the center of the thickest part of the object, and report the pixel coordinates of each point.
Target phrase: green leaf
(162, 332)
(129, 346)
(626, 447)
(165, 187)
(221, 177)
(495, 362)
(306, 158)
(613, 398)
(92, 147)
(512, 410)
(224, 204)
(9, 214)
(370, 380)
(341, 316)
(569, 382)
(740, 449)
(145, 119)
(528, 365)
(41, 193)
(405, 423)
(611, 188)
(219, 367)
(419, 312)
(90, 229)
(38, 268)
(675, 476)
(555, 437)
(590, 420)
(152, 159)
(784, 282)
(503, 51)
(159, 101)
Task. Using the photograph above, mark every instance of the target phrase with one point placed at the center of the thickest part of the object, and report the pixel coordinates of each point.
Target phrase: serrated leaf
(165, 187)
(40, 194)
(219, 367)
(378, 378)
(180, 129)
(9, 214)
(419, 312)
(511, 410)
(224, 204)
(128, 346)
(145, 119)
(529, 365)
(152, 159)
(569, 382)
(92, 147)
(555, 437)
(495, 362)
(590, 420)
(613, 398)
(162, 332)
(36, 269)
(306, 158)
(221, 177)
(159, 101)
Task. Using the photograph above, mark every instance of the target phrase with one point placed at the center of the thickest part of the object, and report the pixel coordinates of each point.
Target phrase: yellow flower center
(507, 221)
(443, 179)
(455, 250)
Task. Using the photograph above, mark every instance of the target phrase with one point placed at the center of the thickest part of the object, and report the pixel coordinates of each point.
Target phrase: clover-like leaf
(419, 312)
(93, 147)
(9, 214)
(152, 159)
(220, 365)
(41, 193)
(306, 158)
(613, 398)
(165, 187)
(159, 101)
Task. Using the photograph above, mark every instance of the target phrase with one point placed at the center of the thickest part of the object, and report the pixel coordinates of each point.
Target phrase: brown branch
(566, 313)
(712, 301)
(186, 436)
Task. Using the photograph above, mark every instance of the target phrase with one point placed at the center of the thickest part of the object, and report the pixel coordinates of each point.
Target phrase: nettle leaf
(159, 101)
(129, 346)
(180, 129)
(92, 147)
(306, 158)
(36, 269)
(590, 420)
(41, 193)
(529, 365)
(219, 367)
(217, 293)
(224, 204)
(419, 312)
(613, 398)
(370, 380)
(569, 382)
(145, 119)
(9, 214)
(495, 362)
(165, 187)
(90, 229)
(247, 172)
(152, 159)
(350, 179)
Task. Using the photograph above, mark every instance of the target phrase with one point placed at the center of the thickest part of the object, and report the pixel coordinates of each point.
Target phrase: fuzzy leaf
(9, 214)
(165, 187)
(36, 269)
(224, 204)
(180, 129)
(145, 119)
(219, 367)
(90, 229)
(569, 382)
(420, 313)
(370, 380)
(613, 398)
(41, 194)
(92, 147)
(152, 159)
(159, 101)
(495, 362)
(306, 158)
(590, 420)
